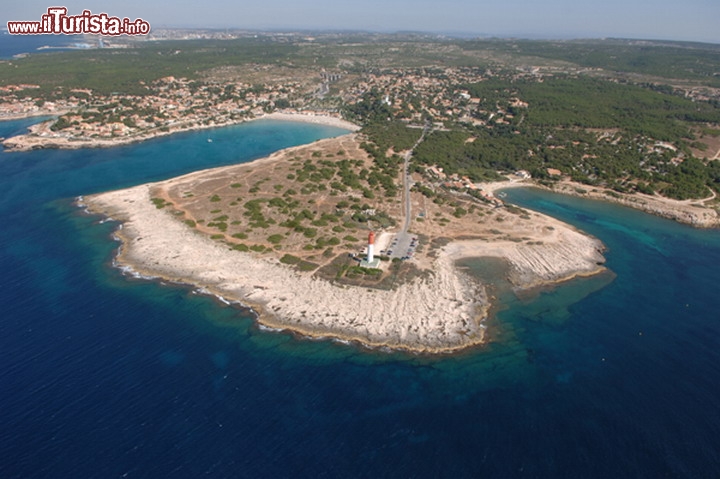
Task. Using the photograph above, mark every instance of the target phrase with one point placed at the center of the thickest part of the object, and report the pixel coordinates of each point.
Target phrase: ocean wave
(80, 203)
(262, 327)
(222, 299)
(128, 271)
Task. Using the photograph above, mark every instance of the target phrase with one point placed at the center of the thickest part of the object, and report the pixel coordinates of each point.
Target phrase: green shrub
(159, 203)
(275, 239)
(307, 266)
(459, 212)
(290, 259)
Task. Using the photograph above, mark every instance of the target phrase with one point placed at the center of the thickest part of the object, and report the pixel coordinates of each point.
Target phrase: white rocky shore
(441, 312)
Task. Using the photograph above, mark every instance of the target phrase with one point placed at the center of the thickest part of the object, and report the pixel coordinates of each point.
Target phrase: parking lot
(403, 246)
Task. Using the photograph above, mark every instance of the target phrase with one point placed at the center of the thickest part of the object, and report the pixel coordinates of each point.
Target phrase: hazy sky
(697, 20)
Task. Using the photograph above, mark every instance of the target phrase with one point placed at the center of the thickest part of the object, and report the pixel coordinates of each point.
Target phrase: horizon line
(460, 35)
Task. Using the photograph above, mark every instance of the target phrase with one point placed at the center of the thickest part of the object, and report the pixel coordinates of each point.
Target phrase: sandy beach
(40, 136)
(439, 312)
(312, 118)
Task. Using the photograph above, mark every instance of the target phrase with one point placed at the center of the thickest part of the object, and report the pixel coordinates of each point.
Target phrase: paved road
(405, 243)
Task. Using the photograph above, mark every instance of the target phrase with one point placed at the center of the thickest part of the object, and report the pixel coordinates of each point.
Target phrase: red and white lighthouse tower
(371, 247)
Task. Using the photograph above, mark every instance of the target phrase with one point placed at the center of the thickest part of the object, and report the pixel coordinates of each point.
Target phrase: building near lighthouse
(370, 260)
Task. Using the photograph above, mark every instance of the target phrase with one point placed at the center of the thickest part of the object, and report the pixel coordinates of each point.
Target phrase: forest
(597, 132)
(585, 102)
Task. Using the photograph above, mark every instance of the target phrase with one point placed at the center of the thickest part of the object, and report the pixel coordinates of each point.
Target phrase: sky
(693, 20)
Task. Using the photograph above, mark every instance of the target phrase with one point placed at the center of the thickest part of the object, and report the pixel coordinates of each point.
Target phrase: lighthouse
(370, 260)
(371, 247)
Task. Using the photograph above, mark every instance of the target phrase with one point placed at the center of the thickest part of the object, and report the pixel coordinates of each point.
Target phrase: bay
(11, 45)
(106, 376)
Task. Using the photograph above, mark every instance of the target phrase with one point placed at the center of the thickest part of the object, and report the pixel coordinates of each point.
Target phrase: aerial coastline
(402, 239)
(484, 124)
(435, 132)
(41, 136)
(697, 213)
(438, 310)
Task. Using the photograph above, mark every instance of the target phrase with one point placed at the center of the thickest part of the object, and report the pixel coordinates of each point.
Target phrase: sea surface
(105, 376)
(11, 45)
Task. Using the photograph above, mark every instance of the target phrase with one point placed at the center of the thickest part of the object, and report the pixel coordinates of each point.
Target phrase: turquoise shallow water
(105, 376)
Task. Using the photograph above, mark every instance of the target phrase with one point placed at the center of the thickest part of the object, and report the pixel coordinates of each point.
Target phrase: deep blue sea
(104, 376)
(11, 45)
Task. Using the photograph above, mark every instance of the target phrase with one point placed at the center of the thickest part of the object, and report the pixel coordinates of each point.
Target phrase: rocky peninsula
(283, 234)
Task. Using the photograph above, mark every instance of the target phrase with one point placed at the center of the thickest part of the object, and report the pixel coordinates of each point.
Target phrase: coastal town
(171, 105)
(223, 96)
(482, 103)
(455, 101)
(445, 98)
(177, 104)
